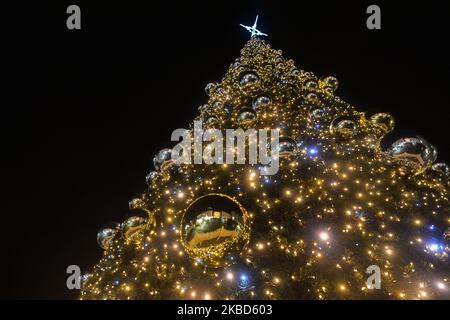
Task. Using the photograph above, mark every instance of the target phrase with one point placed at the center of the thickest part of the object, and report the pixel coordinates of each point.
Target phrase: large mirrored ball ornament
(246, 117)
(105, 237)
(210, 88)
(262, 101)
(248, 79)
(132, 228)
(344, 126)
(286, 146)
(213, 227)
(163, 159)
(383, 121)
(415, 151)
(442, 168)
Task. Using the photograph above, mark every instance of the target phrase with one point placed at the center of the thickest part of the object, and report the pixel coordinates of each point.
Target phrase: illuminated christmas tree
(338, 205)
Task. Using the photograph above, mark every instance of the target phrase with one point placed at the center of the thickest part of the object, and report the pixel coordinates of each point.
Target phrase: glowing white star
(253, 30)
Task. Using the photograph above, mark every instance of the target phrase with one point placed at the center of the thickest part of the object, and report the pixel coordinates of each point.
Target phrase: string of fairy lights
(339, 204)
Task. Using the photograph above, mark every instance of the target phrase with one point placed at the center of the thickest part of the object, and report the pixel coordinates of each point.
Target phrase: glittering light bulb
(440, 285)
(324, 236)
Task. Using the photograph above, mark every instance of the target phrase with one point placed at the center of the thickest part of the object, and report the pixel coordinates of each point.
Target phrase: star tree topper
(253, 30)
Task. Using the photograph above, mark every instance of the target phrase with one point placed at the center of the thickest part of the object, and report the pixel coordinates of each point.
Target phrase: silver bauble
(413, 150)
(286, 146)
(210, 88)
(105, 237)
(310, 84)
(163, 159)
(248, 78)
(262, 101)
(441, 167)
(246, 117)
(211, 121)
(151, 177)
(317, 113)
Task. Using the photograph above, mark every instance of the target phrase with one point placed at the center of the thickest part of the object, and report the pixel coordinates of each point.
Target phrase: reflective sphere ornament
(163, 159)
(414, 151)
(442, 168)
(248, 79)
(210, 88)
(132, 228)
(214, 227)
(105, 237)
(330, 83)
(311, 84)
(344, 126)
(151, 177)
(246, 117)
(211, 121)
(136, 203)
(383, 121)
(317, 113)
(286, 146)
(262, 101)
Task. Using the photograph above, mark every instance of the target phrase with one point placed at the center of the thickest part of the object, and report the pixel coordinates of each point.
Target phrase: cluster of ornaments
(212, 227)
(414, 153)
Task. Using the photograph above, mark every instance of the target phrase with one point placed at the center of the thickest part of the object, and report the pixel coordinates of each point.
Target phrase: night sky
(85, 111)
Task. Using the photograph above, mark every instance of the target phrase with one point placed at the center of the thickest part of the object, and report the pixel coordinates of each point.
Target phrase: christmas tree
(339, 209)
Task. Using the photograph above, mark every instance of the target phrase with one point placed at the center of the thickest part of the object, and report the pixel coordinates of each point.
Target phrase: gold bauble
(344, 126)
(383, 121)
(133, 227)
(330, 83)
(214, 229)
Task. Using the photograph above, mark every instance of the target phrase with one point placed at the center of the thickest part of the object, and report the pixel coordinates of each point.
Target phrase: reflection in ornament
(330, 83)
(344, 126)
(248, 79)
(210, 88)
(131, 228)
(415, 150)
(442, 168)
(286, 146)
(383, 121)
(214, 226)
(151, 177)
(163, 159)
(244, 281)
(262, 101)
(246, 117)
(105, 237)
(317, 113)
(311, 97)
(310, 84)
(211, 121)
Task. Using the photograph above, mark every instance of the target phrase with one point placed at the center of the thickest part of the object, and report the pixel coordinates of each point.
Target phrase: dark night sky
(86, 110)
